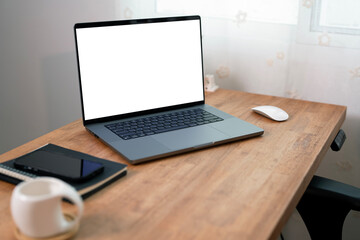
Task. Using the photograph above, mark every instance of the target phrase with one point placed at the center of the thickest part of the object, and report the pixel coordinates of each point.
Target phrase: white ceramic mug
(36, 207)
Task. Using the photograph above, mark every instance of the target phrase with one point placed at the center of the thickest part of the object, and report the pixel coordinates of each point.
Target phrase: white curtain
(302, 49)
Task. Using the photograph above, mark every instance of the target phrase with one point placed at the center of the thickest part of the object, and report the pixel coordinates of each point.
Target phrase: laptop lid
(133, 67)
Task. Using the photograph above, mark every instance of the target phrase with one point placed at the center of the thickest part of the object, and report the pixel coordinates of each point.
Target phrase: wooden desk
(242, 190)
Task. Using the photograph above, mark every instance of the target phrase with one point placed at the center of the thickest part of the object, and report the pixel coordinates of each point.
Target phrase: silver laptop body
(141, 74)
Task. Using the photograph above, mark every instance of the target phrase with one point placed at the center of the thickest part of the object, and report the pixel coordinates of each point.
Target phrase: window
(329, 23)
(334, 16)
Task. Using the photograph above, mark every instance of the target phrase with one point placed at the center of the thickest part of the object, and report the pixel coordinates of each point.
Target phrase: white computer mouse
(272, 112)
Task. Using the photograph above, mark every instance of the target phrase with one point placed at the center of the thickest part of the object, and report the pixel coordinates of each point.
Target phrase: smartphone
(58, 165)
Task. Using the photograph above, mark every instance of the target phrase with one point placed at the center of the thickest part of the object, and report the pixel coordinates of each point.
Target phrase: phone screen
(62, 166)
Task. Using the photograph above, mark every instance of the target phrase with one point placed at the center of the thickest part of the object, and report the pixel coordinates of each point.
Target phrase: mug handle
(72, 195)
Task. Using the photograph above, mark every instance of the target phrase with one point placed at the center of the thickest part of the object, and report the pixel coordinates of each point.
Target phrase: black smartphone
(58, 165)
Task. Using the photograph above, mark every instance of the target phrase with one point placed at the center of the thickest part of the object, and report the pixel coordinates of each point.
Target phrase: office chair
(326, 203)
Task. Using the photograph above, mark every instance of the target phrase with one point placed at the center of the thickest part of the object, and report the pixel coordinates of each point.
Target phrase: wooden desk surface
(242, 190)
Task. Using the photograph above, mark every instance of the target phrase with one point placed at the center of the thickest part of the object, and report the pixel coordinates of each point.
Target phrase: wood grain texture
(242, 190)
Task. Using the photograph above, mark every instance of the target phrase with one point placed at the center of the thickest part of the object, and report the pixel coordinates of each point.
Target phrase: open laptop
(142, 88)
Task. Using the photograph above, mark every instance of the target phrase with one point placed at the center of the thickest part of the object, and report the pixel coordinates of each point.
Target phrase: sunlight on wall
(279, 11)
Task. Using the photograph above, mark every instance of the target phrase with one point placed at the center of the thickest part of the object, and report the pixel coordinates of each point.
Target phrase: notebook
(133, 71)
(112, 171)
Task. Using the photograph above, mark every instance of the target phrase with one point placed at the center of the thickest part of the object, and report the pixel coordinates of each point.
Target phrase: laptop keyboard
(162, 123)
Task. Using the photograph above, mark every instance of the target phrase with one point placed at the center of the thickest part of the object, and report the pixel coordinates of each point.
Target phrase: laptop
(142, 88)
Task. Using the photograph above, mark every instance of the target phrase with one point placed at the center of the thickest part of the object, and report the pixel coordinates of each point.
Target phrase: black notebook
(112, 171)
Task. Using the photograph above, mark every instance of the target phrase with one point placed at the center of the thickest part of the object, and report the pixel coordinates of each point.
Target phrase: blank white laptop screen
(136, 67)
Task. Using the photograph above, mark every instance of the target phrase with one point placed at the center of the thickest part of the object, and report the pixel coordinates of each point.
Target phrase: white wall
(38, 74)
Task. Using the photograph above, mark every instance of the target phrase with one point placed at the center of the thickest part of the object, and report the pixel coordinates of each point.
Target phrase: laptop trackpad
(190, 137)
